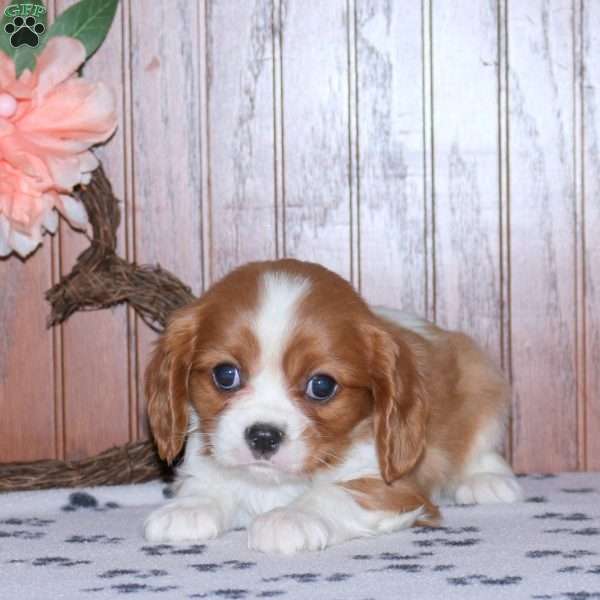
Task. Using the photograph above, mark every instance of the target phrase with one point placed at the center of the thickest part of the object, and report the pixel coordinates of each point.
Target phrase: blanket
(88, 544)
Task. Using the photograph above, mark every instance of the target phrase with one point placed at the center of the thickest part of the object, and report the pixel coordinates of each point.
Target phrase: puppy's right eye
(226, 377)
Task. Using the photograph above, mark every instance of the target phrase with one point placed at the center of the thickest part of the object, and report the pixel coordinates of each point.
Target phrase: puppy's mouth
(263, 465)
(267, 472)
(266, 468)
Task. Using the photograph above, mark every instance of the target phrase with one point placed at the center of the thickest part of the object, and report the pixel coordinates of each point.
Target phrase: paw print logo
(24, 31)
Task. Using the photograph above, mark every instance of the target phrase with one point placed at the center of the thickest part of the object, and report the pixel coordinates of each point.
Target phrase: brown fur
(423, 399)
(401, 496)
(212, 330)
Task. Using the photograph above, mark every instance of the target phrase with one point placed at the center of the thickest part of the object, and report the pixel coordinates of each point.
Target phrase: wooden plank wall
(443, 156)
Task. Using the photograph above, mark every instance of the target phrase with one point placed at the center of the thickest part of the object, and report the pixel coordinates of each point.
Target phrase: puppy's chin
(268, 473)
(262, 471)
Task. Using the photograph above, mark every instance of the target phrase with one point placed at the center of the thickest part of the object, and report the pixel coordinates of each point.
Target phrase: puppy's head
(286, 367)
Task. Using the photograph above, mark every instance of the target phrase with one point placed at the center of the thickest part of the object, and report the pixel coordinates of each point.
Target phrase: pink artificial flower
(48, 121)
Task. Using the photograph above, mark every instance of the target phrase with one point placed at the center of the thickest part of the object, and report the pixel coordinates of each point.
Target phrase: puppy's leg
(329, 514)
(486, 477)
(195, 515)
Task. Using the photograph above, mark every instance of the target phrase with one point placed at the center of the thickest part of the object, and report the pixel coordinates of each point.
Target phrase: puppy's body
(417, 413)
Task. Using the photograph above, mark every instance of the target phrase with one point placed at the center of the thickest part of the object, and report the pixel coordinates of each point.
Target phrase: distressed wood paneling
(390, 141)
(466, 177)
(27, 419)
(28, 423)
(542, 231)
(315, 128)
(240, 121)
(166, 145)
(95, 345)
(591, 161)
(442, 155)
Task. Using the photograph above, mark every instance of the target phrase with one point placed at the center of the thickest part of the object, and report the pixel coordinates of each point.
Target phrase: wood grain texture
(241, 151)
(27, 420)
(442, 155)
(504, 208)
(166, 146)
(390, 140)
(591, 162)
(95, 345)
(27, 360)
(542, 234)
(428, 156)
(466, 177)
(315, 128)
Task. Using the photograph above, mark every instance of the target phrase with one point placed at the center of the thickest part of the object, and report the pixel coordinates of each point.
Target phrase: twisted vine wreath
(51, 116)
(102, 279)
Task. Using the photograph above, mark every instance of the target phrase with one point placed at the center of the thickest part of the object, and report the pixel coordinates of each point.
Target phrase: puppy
(311, 419)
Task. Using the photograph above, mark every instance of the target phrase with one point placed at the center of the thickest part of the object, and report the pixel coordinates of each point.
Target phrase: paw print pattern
(24, 31)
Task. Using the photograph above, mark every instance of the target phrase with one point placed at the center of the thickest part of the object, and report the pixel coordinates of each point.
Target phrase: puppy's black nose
(263, 439)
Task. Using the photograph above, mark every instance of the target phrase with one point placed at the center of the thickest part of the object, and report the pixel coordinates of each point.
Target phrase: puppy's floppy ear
(401, 407)
(166, 381)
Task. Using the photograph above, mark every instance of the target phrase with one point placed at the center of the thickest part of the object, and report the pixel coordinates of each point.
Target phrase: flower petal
(44, 145)
(61, 57)
(50, 221)
(87, 163)
(65, 172)
(76, 110)
(22, 244)
(74, 211)
(5, 249)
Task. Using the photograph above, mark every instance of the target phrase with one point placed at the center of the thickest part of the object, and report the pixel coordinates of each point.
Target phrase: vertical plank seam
(135, 342)
(281, 31)
(57, 360)
(132, 370)
(57, 332)
(428, 160)
(278, 139)
(504, 206)
(353, 146)
(579, 233)
(203, 117)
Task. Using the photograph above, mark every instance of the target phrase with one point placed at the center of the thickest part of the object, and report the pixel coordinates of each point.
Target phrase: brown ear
(166, 382)
(401, 407)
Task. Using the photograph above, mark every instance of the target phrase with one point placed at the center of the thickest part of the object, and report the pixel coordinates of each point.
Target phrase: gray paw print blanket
(87, 544)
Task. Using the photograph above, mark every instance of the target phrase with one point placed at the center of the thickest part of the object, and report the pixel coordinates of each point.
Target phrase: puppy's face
(285, 367)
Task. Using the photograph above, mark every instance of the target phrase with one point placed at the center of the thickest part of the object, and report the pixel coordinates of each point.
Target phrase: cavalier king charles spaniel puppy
(311, 418)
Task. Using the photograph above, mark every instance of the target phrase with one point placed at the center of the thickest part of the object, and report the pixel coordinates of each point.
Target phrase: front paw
(488, 488)
(184, 520)
(286, 531)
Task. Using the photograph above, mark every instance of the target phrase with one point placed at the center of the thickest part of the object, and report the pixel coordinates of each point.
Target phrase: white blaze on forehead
(276, 314)
(267, 398)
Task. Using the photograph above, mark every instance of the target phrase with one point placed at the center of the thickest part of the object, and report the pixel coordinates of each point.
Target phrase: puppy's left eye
(321, 387)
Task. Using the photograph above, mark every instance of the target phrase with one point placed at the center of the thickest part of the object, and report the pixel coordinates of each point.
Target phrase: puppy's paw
(184, 521)
(286, 531)
(488, 488)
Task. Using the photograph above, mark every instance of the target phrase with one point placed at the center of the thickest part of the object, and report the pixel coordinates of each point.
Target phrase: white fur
(284, 511)
(265, 398)
(324, 515)
(282, 516)
(486, 476)
(360, 461)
